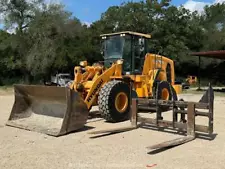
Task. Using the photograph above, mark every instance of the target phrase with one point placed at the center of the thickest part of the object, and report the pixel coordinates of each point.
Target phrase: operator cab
(129, 46)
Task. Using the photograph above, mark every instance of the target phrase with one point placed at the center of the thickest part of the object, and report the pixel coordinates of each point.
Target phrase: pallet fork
(178, 107)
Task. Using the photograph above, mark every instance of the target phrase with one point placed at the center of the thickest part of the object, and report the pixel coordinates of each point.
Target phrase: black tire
(164, 85)
(174, 93)
(106, 101)
(134, 94)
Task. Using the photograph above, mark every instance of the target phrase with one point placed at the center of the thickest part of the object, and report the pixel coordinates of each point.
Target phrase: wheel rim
(165, 94)
(121, 102)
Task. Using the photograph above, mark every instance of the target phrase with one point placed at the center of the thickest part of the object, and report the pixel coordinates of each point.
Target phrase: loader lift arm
(98, 80)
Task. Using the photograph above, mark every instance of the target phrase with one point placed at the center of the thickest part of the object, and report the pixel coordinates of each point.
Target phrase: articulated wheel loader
(128, 71)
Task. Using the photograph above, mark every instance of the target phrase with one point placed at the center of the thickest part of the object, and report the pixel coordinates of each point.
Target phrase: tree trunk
(26, 76)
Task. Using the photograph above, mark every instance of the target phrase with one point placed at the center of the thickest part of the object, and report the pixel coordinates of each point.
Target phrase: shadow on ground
(180, 132)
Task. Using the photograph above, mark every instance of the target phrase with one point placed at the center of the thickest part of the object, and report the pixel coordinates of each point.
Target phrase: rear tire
(165, 91)
(114, 101)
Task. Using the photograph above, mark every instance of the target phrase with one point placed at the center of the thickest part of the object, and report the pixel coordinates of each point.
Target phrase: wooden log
(191, 120)
(211, 108)
(172, 143)
(169, 124)
(197, 113)
(114, 130)
(134, 112)
(184, 104)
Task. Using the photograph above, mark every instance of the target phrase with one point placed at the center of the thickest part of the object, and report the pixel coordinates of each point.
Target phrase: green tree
(54, 39)
(17, 15)
(213, 22)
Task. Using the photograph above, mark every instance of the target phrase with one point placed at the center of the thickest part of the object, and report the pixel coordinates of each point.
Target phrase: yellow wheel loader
(128, 70)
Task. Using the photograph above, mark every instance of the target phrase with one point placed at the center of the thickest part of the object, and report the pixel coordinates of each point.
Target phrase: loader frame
(189, 128)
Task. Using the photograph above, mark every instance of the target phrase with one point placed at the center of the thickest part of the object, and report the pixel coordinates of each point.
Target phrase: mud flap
(52, 110)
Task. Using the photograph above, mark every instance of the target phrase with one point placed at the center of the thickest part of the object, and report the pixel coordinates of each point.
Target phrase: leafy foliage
(45, 39)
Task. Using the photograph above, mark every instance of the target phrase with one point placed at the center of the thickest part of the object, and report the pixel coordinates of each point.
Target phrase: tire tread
(103, 100)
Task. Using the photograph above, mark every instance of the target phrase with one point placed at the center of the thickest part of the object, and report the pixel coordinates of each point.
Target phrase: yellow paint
(116, 77)
(165, 94)
(140, 92)
(178, 88)
(88, 84)
(154, 62)
(121, 102)
(192, 80)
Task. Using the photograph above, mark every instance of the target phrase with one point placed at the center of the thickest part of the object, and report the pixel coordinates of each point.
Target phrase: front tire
(114, 101)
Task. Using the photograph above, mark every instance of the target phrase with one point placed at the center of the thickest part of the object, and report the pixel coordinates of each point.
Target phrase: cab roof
(128, 32)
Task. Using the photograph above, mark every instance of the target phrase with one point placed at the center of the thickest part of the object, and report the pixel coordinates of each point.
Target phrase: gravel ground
(22, 149)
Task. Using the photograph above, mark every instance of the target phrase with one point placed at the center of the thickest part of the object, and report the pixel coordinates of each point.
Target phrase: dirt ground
(22, 149)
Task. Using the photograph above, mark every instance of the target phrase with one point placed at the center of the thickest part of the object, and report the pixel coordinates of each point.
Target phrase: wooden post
(199, 73)
(211, 107)
(134, 111)
(174, 113)
(191, 119)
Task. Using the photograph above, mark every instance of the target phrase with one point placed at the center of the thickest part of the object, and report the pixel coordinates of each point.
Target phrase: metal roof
(219, 54)
(128, 32)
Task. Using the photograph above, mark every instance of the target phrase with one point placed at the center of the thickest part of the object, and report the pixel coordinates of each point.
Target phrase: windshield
(113, 47)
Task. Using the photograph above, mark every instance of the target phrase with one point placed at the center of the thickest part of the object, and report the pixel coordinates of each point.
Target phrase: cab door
(138, 54)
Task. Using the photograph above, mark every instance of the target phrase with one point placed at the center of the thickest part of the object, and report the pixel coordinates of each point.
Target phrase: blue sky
(90, 10)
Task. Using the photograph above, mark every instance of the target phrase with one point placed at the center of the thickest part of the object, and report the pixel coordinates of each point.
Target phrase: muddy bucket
(51, 110)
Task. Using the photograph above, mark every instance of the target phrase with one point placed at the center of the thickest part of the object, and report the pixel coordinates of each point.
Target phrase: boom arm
(115, 69)
(97, 81)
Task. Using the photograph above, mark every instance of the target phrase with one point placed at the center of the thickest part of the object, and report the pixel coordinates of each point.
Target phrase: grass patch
(10, 87)
(4, 90)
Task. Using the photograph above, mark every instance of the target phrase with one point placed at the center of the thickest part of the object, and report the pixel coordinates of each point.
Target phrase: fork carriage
(188, 111)
(182, 107)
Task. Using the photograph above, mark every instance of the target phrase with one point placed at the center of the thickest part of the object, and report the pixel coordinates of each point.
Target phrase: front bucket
(51, 110)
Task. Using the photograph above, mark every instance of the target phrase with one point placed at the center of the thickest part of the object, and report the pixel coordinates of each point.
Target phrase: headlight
(83, 63)
(120, 62)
